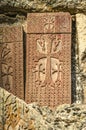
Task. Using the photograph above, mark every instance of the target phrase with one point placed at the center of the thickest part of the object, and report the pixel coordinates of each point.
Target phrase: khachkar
(48, 58)
(11, 59)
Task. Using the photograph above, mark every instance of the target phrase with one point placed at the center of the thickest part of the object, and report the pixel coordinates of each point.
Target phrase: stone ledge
(72, 6)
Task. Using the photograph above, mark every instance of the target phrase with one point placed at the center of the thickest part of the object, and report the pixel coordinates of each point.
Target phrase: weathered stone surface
(1, 109)
(72, 6)
(81, 40)
(15, 113)
(81, 33)
(19, 115)
(11, 59)
(48, 59)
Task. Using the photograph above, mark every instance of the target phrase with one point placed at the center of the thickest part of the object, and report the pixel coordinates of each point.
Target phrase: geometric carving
(48, 72)
(11, 60)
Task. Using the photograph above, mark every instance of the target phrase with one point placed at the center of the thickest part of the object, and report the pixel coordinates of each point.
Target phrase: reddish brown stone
(48, 73)
(12, 34)
(49, 23)
(11, 60)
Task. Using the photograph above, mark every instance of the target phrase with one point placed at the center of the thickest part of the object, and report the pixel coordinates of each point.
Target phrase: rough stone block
(81, 33)
(21, 116)
(81, 40)
(1, 109)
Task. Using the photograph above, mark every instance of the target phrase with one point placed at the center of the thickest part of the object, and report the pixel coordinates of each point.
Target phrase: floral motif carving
(49, 24)
(7, 69)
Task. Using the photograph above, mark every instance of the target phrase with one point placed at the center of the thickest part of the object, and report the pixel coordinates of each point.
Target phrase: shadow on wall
(77, 75)
(73, 61)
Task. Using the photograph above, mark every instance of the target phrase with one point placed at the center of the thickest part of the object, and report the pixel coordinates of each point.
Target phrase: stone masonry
(15, 114)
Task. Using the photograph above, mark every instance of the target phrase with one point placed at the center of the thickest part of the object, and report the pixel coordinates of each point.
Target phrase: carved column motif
(48, 78)
(11, 60)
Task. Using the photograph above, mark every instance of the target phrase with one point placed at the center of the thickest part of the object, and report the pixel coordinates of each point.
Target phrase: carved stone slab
(11, 59)
(48, 73)
(49, 23)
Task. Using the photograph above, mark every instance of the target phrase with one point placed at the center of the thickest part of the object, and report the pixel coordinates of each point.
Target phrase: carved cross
(48, 48)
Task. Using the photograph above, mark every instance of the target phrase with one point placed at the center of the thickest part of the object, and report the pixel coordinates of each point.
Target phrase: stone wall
(15, 114)
(15, 12)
